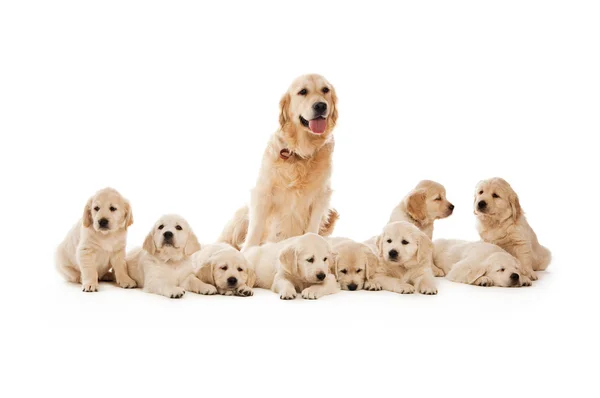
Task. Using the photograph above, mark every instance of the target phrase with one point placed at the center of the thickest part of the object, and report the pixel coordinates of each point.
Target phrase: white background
(172, 103)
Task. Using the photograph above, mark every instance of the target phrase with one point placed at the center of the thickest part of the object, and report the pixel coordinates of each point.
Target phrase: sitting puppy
(501, 221)
(405, 259)
(423, 205)
(164, 265)
(299, 264)
(97, 243)
(354, 265)
(224, 269)
(478, 263)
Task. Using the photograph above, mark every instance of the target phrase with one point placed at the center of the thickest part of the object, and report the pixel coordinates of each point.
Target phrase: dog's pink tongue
(317, 126)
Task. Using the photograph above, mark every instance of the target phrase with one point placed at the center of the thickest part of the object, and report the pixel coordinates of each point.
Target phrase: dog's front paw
(127, 283)
(404, 288)
(533, 276)
(90, 287)
(226, 292)
(427, 288)
(287, 294)
(484, 281)
(244, 291)
(372, 286)
(438, 272)
(525, 281)
(207, 290)
(311, 293)
(176, 293)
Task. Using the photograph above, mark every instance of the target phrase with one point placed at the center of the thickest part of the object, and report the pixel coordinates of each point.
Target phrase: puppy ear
(149, 245)
(333, 263)
(128, 214)
(288, 258)
(379, 245)
(425, 250)
(515, 206)
(334, 113)
(475, 272)
(284, 109)
(372, 263)
(251, 277)
(415, 204)
(205, 273)
(87, 214)
(192, 245)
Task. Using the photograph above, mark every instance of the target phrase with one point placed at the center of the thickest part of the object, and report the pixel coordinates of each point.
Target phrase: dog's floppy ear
(379, 245)
(251, 277)
(149, 245)
(415, 204)
(205, 272)
(334, 112)
(475, 272)
(515, 206)
(128, 214)
(333, 263)
(284, 109)
(372, 263)
(288, 257)
(425, 250)
(192, 245)
(87, 214)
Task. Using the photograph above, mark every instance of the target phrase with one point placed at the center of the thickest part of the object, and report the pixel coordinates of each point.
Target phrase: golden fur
(405, 259)
(163, 265)
(299, 264)
(501, 221)
(292, 193)
(225, 268)
(90, 250)
(355, 264)
(478, 263)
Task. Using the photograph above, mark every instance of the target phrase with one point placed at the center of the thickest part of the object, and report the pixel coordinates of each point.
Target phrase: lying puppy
(164, 265)
(292, 193)
(478, 263)
(501, 221)
(354, 265)
(299, 264)
(97, 243)
(423, 205)
(224, 269)
(405, 259)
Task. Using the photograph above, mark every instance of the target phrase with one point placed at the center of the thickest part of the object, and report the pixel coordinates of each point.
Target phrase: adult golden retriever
(292, 193)
(501, 221)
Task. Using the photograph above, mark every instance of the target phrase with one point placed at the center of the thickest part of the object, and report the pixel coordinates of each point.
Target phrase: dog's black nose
(320, 107)
(232, 280)
(168, 235)
(482, 204)
(451, 207)
(514, 277)
(103, 223)
(393, 254)
(352, 286)
(321, 276)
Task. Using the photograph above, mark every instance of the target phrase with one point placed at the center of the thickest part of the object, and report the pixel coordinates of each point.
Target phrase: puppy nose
(232, 280)
(321, 276)
(103, 223)
(514, 277)
(451, 207)
(352, 286)
(320, 107)
(393, 253)
(168, 235)
(482, 204)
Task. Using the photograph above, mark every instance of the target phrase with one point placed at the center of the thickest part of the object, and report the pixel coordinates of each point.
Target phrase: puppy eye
(438, 199)
(178, 227)
(161, 226)
(495, 196)
(224, 268)
(96, 208)
(325, 90)
(344, 271)
(502, 270)
(311, 260)
(325, 259)
(481, 192)
(389, 241)
(358, 271)
(303, 92)
(240, 269)
(404, 242)
(112, 208)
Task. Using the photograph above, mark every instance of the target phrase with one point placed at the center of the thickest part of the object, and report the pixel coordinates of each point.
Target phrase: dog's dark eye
(96, 208)
(112, 208)
(178, 227)
(325, 259)
(325, 90)
(358, 271)
(438, 199)
(240, 269)
(311, 260)
(303, 92)
(161, 226)
(389, 241)
(404, 242)
(344, 271)
(481, 192)
(502, 270)
(495, 196)
(224, 268)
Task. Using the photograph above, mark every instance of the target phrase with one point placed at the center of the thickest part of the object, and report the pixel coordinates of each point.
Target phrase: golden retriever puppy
(405, 259)
(299, 264)
(163, 265)
(501, 221)
(292, 193)
(354, 265)
(423, 205)
(225, 269)
(478, 263)
(97, 243)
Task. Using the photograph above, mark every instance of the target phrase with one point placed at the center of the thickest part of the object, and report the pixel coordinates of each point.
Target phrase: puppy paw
(484, 281)
(176, 293)
(90, 287)
(311, 293)
(127, 283)
(533, 276)
(428, 289)
(287, 294)
(244, 291)
(525, 281)
(438, 272)
(372, 286)
(404, 288)
(207, 290)
(227, 292)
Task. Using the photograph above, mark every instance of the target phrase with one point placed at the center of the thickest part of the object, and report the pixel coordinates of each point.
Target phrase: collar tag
(285, 154)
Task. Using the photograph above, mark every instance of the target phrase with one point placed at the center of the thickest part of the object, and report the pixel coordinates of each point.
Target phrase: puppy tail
(546, 259)
(328, 222)
(236, 229)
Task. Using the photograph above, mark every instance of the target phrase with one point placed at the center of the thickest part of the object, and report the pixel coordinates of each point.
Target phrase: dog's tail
(328, 222)
(236, 229)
